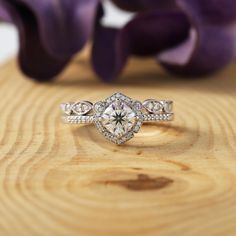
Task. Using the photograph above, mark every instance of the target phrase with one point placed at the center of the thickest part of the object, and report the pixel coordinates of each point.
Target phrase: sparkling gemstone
(118, 118)
(81, 108)
(99, 106)
(167, 105)
(157, 107)
(153, 106)
(138, 105)
(66, 107)
(150, 106)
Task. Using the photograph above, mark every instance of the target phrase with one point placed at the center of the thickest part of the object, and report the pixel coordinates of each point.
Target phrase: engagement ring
(118, 117)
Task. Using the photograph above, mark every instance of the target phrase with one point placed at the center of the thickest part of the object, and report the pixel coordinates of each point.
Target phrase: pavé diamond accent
(156, 107)
(82, 108)
(99, 107)
(153, 106)
(78, 108)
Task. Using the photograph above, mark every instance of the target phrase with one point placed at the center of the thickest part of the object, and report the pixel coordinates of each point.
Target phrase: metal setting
(118, 117)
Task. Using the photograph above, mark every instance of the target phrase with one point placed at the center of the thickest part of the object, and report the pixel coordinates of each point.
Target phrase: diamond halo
(117, 118)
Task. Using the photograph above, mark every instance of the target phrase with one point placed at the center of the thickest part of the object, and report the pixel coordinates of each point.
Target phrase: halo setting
(119, 119)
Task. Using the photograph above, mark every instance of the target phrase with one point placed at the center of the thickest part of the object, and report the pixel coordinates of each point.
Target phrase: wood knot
(143, 183)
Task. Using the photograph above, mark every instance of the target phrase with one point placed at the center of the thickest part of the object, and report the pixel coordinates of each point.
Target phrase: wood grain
(171, 179)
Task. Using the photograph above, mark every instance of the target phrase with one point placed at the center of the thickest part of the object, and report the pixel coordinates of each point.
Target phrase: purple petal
(110, 52)
(209, 47)
(206, 51)
(140, 5)
(34, 60)
(210, 11)
(156, 31)
(147, 34)
(64, 26)
(4, 15)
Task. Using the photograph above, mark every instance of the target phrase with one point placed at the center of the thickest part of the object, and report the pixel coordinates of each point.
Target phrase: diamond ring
(118, 117)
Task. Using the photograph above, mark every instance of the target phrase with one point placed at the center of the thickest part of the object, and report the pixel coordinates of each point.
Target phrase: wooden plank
(171, 179)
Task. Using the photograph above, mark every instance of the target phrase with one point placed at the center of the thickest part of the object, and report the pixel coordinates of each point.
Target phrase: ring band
(118, 117)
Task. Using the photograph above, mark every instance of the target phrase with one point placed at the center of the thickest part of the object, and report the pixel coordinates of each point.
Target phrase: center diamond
(118, 118)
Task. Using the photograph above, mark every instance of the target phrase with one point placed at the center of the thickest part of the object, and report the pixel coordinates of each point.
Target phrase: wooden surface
(171, 179)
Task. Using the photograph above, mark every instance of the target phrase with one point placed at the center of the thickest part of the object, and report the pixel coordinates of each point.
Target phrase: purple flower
(51, 32)
(211, 43)
(188, 37)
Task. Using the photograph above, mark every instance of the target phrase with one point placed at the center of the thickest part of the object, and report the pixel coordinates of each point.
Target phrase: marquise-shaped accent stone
(167, 106)
(153, 106)
(82, 108)
(66, 108)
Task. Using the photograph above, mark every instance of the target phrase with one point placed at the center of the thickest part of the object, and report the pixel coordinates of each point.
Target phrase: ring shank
(158, 117)
(78, 119)
(89, 119)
